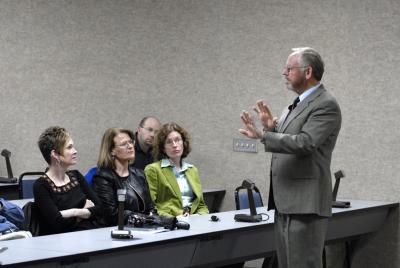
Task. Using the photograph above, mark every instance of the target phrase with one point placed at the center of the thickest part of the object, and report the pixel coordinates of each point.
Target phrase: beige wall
(91, 64)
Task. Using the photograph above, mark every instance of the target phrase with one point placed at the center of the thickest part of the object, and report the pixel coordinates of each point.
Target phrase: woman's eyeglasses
(177, 141)
(126, 144)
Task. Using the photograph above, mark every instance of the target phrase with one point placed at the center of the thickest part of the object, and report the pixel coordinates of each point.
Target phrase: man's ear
(309, 72)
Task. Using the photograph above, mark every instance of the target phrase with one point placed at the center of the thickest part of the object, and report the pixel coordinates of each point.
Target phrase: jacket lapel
(170, 177)
(300, 108)
(282, 120)
(190, 176)
(134, 183)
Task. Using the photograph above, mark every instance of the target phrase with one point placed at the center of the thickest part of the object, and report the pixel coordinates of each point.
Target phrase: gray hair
(310, 57)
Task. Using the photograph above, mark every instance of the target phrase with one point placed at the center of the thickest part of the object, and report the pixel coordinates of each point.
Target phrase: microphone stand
(120, 233)
(253, 217)
(10, 178)
(338, 204)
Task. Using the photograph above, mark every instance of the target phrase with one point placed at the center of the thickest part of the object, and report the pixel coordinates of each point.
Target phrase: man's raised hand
(250, 130)
(265, 115)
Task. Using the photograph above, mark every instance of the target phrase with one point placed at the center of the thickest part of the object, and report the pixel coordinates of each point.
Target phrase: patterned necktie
(291, 107)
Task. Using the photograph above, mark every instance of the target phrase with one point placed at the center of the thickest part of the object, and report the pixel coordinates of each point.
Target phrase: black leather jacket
(106, 182)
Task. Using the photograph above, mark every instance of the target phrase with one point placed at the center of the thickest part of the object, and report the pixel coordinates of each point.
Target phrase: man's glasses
(289, 69)
(177, 141)
(150, 130)
(126, 144)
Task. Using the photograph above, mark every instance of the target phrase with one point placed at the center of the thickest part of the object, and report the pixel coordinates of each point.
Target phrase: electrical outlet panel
(245, 145)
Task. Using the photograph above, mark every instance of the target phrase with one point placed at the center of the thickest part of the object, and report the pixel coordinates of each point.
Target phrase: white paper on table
(148, 231)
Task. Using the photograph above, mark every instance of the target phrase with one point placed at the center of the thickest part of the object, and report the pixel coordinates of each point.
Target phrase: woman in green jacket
(175, 186)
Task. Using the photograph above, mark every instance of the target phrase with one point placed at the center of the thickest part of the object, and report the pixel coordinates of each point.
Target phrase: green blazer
(165, 192)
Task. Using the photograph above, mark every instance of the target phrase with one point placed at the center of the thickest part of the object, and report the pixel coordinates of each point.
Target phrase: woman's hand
(88, 204)
(186, 214)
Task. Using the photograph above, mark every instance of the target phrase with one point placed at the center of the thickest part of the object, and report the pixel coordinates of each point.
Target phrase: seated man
(146, 131)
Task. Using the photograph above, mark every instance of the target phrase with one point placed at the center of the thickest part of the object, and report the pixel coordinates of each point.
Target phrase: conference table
(206, 244)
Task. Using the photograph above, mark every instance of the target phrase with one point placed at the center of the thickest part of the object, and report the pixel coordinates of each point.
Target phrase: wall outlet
(245, 145)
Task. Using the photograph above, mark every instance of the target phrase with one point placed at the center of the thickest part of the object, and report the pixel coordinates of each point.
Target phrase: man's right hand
(251, 130)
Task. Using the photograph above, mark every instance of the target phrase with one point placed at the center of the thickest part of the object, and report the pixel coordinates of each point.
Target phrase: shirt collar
(166, 163)
(306, 93)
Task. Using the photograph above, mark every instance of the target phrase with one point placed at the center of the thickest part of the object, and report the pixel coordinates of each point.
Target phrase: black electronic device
(120, 233)
(214, 218)
(338, 204)
(10, 177)
(182, 225)
(140, 220)
(253, 217)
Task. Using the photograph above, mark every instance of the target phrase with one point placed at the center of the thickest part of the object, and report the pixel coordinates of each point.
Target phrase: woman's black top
(106, 182)
(51, 199)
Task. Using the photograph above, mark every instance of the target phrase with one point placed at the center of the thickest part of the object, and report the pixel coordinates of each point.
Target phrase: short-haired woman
(117, 152)
(174, 184)
(64, 199)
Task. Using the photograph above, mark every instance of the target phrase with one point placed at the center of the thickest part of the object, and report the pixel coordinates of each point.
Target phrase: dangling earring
(113, 157)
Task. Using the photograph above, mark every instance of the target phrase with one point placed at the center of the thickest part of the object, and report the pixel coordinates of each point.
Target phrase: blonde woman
(64, 199)
(117, 152)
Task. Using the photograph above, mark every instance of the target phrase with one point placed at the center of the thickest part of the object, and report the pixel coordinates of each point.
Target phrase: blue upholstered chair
(26, 181)
(89, 176)
(242, 201)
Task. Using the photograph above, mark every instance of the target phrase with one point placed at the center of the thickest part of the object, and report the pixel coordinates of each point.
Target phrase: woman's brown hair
(159, 143)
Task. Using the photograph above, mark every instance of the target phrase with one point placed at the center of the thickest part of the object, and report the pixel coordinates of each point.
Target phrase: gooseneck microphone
(253, 217)
(120, 233)
(10, 178)
(121, 193)
(338, 204)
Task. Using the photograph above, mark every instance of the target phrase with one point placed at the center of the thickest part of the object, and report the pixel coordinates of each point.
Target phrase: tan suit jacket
(302, 146)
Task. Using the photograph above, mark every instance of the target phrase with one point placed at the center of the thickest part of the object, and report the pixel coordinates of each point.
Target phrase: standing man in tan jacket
(301, 142)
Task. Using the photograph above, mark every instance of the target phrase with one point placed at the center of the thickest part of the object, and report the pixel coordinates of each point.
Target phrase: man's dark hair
(144, 119)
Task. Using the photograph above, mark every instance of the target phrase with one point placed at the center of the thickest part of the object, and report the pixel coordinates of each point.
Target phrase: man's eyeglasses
(149, 129)
(289, 69)
(126, 144)
(177, 141)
